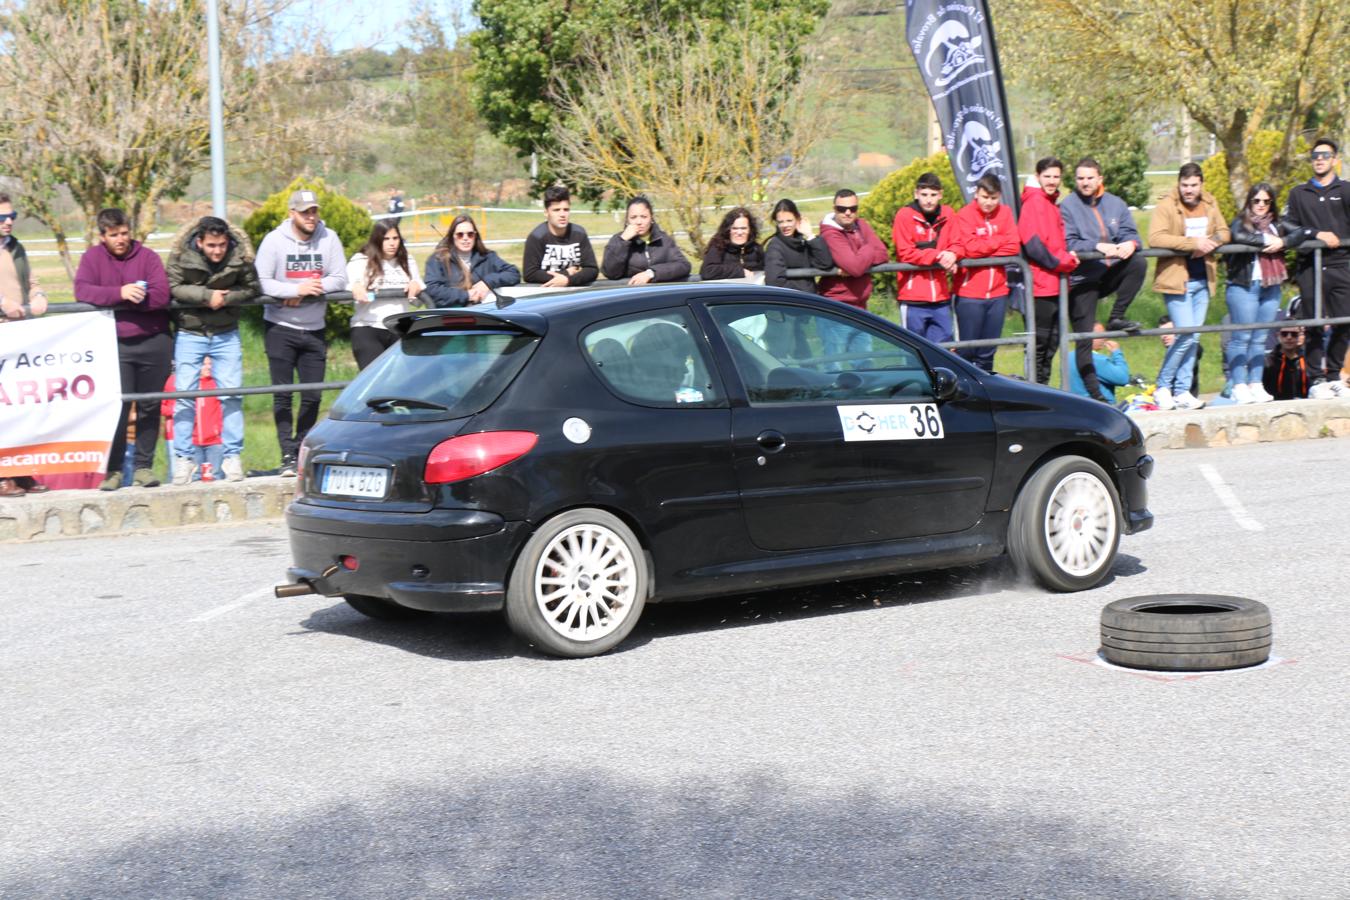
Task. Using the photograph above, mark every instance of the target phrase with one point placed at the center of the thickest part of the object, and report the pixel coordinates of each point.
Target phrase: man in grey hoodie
(298, 262)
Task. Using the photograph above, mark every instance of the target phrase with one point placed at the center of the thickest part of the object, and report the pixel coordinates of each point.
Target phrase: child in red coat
(207, 422)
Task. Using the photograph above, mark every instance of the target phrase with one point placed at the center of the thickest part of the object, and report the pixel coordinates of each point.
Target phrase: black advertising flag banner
(953, 43)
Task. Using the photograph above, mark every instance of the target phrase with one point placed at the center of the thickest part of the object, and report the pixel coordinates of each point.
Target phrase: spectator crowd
(178, 322)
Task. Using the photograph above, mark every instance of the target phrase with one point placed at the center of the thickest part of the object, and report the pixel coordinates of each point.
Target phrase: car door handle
(771, 441)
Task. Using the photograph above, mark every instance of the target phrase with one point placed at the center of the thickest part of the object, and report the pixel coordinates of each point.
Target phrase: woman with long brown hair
(382, 264)
(462, 271)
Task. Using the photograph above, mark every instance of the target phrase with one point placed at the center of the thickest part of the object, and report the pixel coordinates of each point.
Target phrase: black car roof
(616, 301)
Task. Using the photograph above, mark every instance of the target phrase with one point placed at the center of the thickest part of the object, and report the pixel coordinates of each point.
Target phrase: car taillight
(473, 454)
(300, 471)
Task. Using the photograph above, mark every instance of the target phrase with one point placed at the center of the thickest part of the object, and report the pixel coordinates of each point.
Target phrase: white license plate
(355, 481)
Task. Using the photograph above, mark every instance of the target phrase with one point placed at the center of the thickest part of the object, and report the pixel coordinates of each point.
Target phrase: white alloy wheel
(1064, 528)
(579, 584)
(1080, 524)
(585, 582)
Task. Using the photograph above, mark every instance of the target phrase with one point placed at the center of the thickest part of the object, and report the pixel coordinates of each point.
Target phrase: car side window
(792, 354)
(653, 359)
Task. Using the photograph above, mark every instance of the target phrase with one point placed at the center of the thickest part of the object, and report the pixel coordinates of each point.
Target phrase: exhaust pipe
(304, 586)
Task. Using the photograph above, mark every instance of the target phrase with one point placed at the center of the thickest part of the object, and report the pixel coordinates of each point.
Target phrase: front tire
(579, 585)
(1065, 525)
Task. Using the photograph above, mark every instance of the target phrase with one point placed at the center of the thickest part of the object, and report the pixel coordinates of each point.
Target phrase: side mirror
(946, 386)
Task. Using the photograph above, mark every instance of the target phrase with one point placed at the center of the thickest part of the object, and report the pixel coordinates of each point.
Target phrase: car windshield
(435, 375)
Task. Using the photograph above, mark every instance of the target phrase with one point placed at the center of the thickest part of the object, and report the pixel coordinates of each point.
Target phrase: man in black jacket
(1323, 204)
(558, 253)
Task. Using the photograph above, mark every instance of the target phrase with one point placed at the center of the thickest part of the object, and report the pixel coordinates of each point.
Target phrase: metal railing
(1068, 337)
(1027, 339)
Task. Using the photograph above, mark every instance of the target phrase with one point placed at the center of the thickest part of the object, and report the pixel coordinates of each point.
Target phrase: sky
(352, 25)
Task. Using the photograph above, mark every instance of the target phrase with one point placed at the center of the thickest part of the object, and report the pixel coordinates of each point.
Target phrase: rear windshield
(435, 375)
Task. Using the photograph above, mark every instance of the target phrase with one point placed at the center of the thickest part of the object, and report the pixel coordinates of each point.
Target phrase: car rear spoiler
(467, 318)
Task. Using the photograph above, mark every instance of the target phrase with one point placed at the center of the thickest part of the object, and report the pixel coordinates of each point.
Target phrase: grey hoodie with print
(284, 260)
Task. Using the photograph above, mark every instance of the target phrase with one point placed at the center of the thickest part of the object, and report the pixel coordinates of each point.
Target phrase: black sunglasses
(1291, 334)
(8, 217)
(1321, 154)
(845, 209)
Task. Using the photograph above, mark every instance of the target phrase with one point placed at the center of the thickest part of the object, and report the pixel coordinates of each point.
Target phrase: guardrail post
(1065, 328)
(1029, 301)
(1317, 282)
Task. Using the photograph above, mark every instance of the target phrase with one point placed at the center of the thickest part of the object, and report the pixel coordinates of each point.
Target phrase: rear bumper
(441, 561)
(1133, 484)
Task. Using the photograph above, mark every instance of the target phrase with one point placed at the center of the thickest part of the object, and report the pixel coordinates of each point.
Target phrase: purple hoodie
(99, 280)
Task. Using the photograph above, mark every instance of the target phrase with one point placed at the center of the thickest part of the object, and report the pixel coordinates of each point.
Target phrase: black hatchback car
(572, 458)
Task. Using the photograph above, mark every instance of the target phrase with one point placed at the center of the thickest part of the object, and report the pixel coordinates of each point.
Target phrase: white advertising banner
(60, 394)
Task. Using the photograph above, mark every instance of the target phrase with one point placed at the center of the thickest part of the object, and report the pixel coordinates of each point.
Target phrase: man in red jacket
(855, 248)
(1042, 232)
(920, 239)
(980, 230)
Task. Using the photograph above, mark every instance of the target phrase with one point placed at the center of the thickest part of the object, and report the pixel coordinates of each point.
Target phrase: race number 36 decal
(899, 422)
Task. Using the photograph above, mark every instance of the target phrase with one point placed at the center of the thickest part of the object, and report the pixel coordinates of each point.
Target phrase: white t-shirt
(372, 314)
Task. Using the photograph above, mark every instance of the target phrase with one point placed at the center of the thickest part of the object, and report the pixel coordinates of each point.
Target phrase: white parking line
(241, 601)
(1229, 499)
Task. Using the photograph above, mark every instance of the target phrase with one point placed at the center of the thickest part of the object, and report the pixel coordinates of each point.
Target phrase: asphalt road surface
(168, 729)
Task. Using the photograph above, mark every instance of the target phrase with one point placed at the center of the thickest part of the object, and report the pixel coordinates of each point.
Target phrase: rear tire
(1065, 525)
(382, 609)
(579, 585)
(1186, 632)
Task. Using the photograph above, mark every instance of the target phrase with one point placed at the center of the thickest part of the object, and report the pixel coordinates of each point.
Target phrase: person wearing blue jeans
(1178, 365)
(842, 339)
(1251, 302)
(227, 368)
(1186, 221)
(211, 274)
(1255, 281)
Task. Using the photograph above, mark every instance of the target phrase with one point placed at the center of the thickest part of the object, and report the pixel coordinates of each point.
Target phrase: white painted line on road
(244, 600)
(1229, 499)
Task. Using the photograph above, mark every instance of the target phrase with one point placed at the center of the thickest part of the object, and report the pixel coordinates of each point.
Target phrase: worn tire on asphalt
(1186, 632)
(380, 608)
(1065, 524)
(579, 585)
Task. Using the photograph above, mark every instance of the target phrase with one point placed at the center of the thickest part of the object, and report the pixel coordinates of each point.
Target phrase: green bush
(351, 222)
(896, 190)
(1108, 132)
(1260, 154)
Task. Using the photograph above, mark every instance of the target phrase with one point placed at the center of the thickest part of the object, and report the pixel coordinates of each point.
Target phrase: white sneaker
(182, 470)
(1187, 400)
(1258, 392)
(1323, 391)
(233, 468)
(1339, 389)
(1241, 394)
(1162, 398)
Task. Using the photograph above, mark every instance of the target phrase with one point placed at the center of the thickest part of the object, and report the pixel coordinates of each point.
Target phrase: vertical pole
(1064, 328)
(217, 115)
(1317, 284)
(1029, 298)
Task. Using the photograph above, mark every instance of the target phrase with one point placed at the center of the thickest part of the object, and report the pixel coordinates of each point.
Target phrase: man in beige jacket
(1187, 219)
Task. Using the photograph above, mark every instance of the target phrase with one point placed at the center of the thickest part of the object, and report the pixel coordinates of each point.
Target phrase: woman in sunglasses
(1255, 281)
(642, 253)
(462, 271)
